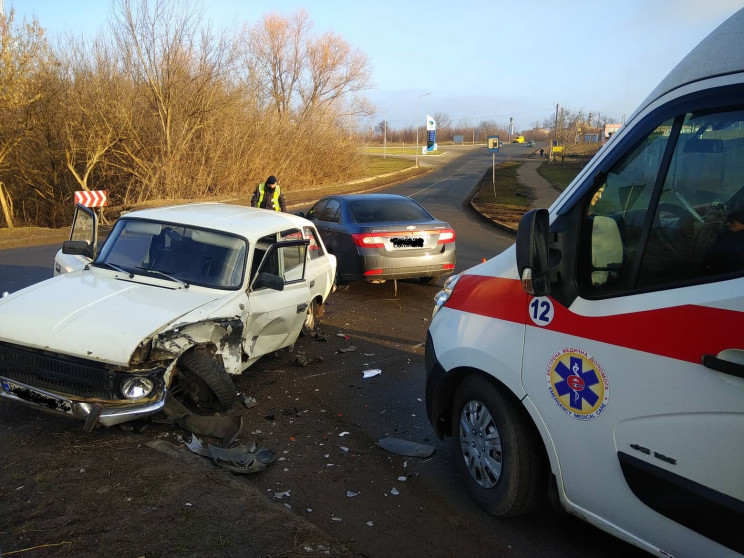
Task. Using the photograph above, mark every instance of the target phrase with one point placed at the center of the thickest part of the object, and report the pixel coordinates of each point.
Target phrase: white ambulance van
(599, 362)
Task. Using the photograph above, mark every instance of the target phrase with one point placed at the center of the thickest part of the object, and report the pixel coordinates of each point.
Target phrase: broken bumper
(92, 413)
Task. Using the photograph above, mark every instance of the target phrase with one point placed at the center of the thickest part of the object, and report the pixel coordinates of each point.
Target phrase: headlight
(134, 388)
(443, 296)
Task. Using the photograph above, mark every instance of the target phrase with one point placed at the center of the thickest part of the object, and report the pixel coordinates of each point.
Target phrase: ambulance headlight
(443, 296)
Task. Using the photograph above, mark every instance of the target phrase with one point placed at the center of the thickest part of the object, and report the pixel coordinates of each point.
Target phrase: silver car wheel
(481, 444)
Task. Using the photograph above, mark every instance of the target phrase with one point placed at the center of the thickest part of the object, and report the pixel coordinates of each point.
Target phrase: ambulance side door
(635, 359)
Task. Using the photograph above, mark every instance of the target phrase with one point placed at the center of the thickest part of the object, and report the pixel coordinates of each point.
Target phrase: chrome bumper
(91, 413)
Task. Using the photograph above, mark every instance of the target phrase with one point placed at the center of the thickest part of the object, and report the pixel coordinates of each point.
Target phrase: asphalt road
(339, 416)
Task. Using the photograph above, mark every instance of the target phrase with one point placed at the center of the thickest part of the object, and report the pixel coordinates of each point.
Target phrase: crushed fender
(226, 427)
(240, 459)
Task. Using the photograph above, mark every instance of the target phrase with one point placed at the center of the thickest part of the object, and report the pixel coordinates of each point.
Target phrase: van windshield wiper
(163, 274)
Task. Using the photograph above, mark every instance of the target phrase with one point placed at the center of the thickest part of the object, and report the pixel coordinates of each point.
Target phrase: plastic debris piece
(344, 448)
(344, 434)
(370, 524)
(334, 518)
(402, 479)
(405, 447)
(394, 491)
(371, 372)
(280, 495)
(349, 349)
(351, 494)
(240, 459)
(247, 401)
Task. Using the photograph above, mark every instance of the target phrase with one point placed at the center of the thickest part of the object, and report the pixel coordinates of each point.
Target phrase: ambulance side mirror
(532, 252)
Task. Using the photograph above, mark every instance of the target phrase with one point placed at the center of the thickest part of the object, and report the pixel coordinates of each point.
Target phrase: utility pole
(384, 140)
(555, 133)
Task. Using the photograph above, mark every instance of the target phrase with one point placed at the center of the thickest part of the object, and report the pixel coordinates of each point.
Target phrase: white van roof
(720, 53)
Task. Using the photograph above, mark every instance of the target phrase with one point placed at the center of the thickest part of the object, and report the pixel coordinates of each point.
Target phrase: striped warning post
(91, 198)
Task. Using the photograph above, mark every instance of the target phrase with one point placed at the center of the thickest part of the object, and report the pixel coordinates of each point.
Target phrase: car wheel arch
(202, 367)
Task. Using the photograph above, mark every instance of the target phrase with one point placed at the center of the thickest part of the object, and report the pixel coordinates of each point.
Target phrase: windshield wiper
(114, 267)
(163, 274)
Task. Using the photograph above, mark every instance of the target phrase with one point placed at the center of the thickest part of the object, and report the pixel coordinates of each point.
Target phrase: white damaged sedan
(177, 299)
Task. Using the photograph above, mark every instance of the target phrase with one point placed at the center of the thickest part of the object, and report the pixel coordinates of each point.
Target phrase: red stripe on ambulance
(684, 332)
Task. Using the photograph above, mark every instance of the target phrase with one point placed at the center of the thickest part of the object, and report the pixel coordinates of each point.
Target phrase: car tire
(203, 382)
(497, 451)
(308, 326)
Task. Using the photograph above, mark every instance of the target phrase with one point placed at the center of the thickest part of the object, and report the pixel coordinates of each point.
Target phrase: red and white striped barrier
(92, 198)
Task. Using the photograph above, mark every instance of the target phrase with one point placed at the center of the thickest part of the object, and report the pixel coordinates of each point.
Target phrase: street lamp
(417, 124)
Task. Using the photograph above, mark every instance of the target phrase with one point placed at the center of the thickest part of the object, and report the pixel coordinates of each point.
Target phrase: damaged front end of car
(100, 393)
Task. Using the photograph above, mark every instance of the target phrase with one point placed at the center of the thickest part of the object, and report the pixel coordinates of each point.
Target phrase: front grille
(68, 375)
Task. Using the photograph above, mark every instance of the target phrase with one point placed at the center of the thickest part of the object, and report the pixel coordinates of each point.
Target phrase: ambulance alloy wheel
(203, 382)
(496, 450)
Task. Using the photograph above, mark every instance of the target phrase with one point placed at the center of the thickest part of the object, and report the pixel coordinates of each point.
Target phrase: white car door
(321, 266)
(278, 298)
(635, 361)
(82, 245)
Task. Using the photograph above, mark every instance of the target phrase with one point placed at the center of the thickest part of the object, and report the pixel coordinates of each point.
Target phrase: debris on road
(371, 373)
(349, 349)
(240, 459)
(247, 401)
(405, 447)
(306, 360)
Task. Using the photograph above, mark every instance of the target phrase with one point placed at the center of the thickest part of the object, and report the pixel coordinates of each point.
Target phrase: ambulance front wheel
(497, 451)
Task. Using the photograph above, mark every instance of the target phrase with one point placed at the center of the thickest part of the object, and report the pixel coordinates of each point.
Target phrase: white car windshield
(175, 252)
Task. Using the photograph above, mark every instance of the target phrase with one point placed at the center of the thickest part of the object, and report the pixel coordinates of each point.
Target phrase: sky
(473, 60)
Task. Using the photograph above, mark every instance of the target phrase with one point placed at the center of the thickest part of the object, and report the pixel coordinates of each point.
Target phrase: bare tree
(304, 75)
(277, 57)
(183, 71)
(23, 57)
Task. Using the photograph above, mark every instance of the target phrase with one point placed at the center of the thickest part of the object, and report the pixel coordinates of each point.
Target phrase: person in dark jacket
(727, 252)
(268, 195)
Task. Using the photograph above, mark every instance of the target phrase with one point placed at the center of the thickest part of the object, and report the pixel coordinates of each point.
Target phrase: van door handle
(725, 366)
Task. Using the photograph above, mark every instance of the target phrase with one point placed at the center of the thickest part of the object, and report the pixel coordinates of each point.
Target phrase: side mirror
(532, 252)
(79, 248)
(268, 281)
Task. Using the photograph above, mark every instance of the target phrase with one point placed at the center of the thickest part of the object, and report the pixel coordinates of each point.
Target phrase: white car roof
(720, 53)
(249, 222)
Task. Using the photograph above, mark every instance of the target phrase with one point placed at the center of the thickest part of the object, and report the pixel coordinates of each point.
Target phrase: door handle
(725, 366)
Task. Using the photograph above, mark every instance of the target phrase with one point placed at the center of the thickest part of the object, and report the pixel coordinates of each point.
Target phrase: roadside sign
(493, 144)
(92, 198)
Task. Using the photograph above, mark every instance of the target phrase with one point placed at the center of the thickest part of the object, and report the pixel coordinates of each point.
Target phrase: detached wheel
(496, 449)
(203, 382)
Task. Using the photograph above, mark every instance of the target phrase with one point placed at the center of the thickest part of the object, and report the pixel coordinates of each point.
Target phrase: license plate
(35, 397)
(406, 242)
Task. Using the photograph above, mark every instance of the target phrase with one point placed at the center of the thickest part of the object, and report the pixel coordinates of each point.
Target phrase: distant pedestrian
(541, 152)
(268, 195)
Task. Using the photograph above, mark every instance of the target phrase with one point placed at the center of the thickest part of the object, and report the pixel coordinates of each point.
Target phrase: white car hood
(94, 314)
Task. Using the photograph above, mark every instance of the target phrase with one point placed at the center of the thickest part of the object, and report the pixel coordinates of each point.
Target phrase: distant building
(610, 129)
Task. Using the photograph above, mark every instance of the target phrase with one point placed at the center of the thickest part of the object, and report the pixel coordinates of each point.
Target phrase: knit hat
(271, 180)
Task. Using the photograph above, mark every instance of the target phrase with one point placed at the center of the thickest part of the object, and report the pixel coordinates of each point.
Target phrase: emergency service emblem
(578, 384)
